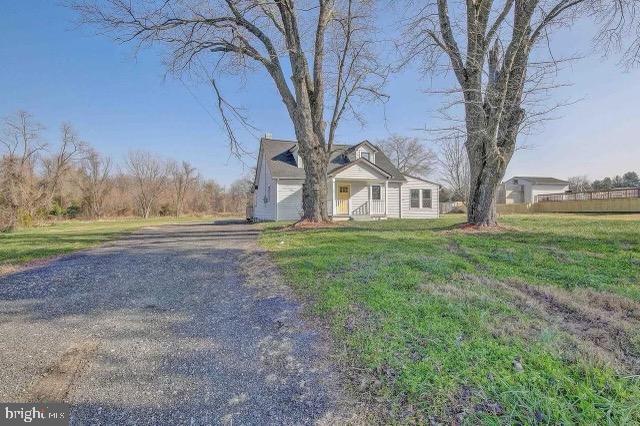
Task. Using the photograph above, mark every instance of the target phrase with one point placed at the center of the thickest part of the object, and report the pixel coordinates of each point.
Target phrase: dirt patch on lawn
(468, 228)
(8, 268)
(306, 224)
(604, 327)
(55, 384)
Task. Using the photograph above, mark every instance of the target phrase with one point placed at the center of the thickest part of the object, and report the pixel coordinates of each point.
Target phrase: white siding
(546, 189)
(359, 198)
(265, 210)
(359, 172)
(372, 156)
(512, 193)
(419, 213)
(393, 209)
(525, 192)
(289, 199)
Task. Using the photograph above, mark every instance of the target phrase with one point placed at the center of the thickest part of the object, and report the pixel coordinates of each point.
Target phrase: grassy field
(538, 323)
(24, 245)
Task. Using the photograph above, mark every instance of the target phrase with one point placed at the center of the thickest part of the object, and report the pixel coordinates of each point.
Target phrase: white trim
(386, 197)
(360, 161)
(277, 203)
(400, 201)
(420, 199)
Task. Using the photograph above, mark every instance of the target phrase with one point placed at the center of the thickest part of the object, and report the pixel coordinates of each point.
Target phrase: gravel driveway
(180, 324)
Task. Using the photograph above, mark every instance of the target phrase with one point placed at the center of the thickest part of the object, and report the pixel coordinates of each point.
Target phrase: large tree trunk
(487, 168)
(316, 161)
(488, 160)
(485, 179)
(314, 190)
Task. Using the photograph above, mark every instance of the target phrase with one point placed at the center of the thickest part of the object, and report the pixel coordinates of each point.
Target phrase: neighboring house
(362, 184)
(525, 189)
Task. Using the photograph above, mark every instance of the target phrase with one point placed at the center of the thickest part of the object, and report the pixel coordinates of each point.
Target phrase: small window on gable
(365, 155)
(376, 192)
(426, 199)
(415, 199)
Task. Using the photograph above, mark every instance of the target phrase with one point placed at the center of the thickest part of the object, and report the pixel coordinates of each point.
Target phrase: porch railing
(342, 206)
(377, 207)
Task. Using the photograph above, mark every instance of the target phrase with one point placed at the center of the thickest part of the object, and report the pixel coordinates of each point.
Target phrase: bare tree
(328, 45)
(409, 155)
(239, 193)
(579, 184)
(94, 182)
(454, 167)
(489, 46)
(183, 178)
(22, 145)
(149, 174)
(58, 165)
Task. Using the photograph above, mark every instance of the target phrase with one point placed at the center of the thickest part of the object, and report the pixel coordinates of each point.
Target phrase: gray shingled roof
(283, 165)
(542, 180)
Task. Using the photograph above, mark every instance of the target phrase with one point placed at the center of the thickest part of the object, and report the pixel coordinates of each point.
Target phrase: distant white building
(524, 189)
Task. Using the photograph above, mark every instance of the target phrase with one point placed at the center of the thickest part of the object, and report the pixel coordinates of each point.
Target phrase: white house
(525, 189)
(363, 184)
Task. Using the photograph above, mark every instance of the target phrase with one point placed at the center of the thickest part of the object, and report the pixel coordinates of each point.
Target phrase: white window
(421, 199)
(426, 199)
(365, 155)
(376, 193)
(415, 199)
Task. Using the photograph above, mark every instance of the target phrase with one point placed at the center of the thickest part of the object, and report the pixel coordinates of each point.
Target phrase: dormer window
(366, 154)
(296, 155)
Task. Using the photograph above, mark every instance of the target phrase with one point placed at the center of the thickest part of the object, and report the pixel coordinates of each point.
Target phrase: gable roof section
(542, 180)
(422, 179)
(278, 155)
(371, 146)
(363, 162)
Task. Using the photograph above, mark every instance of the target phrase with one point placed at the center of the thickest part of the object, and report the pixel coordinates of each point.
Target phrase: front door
(344, 193)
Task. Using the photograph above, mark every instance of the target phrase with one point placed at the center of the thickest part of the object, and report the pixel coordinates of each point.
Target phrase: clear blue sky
(120, 102)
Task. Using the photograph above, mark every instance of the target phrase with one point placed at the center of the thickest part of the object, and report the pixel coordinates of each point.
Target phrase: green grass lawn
(24, 245)
(538, 323)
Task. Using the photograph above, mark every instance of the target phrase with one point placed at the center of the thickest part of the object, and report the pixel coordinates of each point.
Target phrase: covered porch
(359, 190)
(359, 199)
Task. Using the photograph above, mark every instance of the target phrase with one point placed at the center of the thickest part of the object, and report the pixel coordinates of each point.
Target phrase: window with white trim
(415, 199)
(365, 155)
(376, 192)
(425, 201)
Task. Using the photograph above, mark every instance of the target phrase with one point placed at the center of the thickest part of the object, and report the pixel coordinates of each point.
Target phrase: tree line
(583, 184)
(70, 178)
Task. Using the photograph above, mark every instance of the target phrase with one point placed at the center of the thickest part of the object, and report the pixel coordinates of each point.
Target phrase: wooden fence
(590, 195)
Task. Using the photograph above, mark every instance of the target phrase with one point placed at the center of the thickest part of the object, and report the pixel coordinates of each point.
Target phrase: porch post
(370, 198)
(386, 196)
(333, 196)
